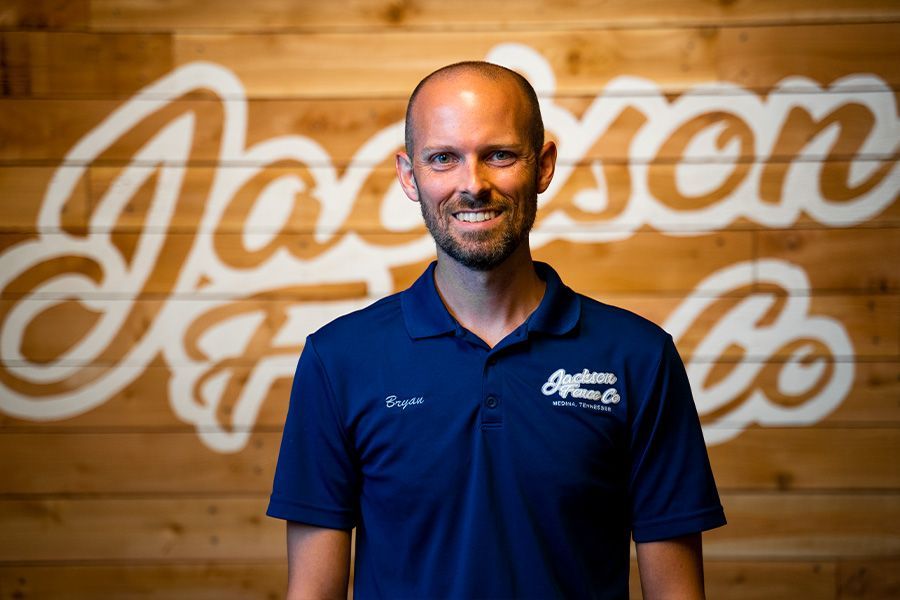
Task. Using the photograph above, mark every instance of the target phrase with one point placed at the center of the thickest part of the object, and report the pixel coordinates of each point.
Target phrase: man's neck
(490, 304)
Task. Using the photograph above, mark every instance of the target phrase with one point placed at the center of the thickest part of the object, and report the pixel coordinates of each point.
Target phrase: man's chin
(480, 259)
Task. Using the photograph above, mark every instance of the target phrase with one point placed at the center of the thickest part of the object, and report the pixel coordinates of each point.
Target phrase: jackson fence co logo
(566, 384)
(217, 291)
(569, 388)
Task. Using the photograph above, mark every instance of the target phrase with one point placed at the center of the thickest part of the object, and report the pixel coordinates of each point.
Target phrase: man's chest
(432, 426)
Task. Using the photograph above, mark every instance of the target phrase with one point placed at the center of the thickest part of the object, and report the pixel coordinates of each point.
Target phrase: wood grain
(126, 499)
(839, 259)
(46, 129)
(760, 580)
(808, 458)
(321, 65)
(42, 64)
(869, 579)
(211, 581)
(869, 320)
(315, 65)
(735, 580)
(85, 462)
(141, 406)
(25, 187)
(44, 14)
(173, 529)
(22, 192)
(215, 528)
(279, 15)
(810, 526)
(871, 323)
(104, 463)
(589, 266)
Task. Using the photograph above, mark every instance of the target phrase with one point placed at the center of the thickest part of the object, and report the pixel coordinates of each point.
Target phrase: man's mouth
(476, 217)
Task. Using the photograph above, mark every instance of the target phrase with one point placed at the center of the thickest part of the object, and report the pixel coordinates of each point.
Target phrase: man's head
(475, 161)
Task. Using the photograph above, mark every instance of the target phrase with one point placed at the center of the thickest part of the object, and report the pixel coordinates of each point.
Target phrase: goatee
(482, 250)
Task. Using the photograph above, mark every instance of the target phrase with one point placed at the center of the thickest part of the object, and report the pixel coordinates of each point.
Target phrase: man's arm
(318, 562)
(672, 568)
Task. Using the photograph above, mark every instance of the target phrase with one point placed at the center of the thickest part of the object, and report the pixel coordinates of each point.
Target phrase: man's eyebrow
(427, 151)
(515, 145)
(503, 146)
(438, 148)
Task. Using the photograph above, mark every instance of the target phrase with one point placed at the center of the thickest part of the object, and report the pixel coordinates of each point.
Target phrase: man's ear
(406, 177)
(546, 166)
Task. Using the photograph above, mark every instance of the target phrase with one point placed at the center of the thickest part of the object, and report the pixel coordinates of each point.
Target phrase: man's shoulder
(359, 326)
(620, 322)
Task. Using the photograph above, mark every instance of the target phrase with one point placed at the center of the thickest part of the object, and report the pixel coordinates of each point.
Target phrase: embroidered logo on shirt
(570, 390)
(393, 402)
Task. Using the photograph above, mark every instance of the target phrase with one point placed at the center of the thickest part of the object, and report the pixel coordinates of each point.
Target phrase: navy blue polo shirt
(518, 471)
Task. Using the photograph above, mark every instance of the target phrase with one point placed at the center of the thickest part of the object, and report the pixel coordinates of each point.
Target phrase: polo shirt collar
(425, 315)
(560, 308)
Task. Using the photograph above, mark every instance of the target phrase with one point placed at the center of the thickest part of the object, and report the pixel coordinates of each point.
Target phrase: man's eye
(442, 158)
(503, 156)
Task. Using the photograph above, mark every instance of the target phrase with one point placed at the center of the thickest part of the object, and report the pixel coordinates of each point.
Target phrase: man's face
(473, 169)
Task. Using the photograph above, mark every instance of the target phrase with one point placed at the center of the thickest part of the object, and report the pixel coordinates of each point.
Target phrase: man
(489, 432)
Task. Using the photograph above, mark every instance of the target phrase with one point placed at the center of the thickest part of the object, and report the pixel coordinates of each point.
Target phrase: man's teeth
(476, 217)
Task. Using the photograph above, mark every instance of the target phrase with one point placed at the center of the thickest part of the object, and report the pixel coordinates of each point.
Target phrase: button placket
(491, 405)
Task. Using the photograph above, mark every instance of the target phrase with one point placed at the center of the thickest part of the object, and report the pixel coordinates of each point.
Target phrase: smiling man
(489, 432)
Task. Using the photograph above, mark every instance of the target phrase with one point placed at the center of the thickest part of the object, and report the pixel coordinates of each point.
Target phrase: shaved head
(491, 72)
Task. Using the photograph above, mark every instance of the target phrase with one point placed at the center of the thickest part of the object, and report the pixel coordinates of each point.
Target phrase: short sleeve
(315, 478)
(671, 488)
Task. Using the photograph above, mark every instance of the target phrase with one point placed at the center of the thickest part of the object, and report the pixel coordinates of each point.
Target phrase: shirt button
(491, 402)
(491, 361)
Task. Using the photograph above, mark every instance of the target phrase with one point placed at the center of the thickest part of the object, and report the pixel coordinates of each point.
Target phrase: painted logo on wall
(202, 323)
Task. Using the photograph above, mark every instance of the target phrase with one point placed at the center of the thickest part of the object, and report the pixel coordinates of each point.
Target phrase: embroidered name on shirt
(569, 385)
(393, 402)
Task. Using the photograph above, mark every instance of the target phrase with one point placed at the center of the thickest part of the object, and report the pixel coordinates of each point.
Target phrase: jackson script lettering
(203, 324)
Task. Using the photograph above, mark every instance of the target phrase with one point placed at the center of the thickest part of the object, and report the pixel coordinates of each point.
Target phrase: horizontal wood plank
(211, 581)
(814, 458)
(735, 580)
(760, 580)
(104, 463)
(379, 203)
(327, 65)
(869, 579)
(23, 190)
(623, 266)
(869, 320)
(590, 265)
(598, 268)
(40, 63)
(777, 526)
(44, 14)
(47, 129)
(281, 324)
(808, 458)
(808, 526)
(142, 405)
(279, 15)
(839, 259)
(140, 529)
(784, 130)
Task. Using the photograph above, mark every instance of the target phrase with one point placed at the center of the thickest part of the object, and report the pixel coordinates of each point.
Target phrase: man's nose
(477, 182)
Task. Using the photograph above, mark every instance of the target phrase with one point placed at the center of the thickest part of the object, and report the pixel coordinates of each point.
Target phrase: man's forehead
(467, 92)
(469, 85)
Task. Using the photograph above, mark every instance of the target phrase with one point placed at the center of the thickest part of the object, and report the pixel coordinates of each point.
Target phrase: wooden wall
(187, 188)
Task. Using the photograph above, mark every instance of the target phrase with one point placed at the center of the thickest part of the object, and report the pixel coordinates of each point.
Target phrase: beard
(481, 250)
